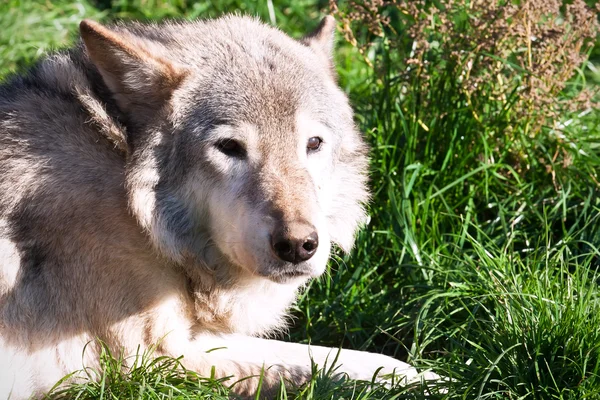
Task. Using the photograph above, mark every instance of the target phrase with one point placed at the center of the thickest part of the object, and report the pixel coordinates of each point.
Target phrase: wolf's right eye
(231, 148)
(314, 143)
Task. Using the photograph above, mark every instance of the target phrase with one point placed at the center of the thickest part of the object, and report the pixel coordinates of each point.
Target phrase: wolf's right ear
(321, 40)
(140, 82)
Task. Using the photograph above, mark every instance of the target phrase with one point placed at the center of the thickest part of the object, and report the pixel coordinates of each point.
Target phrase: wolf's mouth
(283, 276)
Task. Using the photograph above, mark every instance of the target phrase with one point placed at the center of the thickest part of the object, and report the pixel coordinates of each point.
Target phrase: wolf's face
(268, 194)
(242, 147)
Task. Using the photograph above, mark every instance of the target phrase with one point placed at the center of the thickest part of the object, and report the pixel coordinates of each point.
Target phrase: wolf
(175, 185)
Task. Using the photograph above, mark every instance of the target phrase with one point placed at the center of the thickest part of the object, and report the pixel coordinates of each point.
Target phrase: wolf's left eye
(314, 143)
(231, 148)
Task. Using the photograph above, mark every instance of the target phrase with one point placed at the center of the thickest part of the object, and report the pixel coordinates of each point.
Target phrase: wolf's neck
(229, 300)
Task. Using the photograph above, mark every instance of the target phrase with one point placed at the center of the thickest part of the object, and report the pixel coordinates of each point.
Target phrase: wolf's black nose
(294, 250)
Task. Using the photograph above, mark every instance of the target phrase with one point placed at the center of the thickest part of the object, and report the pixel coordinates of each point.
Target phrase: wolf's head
(241, 147)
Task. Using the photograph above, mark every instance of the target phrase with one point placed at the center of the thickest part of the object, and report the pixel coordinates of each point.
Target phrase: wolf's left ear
(140, 81)
(321, 40)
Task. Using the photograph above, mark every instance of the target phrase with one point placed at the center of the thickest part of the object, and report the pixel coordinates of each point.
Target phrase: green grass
(481, 256)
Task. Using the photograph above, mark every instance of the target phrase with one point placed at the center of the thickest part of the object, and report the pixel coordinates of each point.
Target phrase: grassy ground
(481, 257)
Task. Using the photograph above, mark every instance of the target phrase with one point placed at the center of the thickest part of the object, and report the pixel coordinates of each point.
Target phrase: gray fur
(121, 220)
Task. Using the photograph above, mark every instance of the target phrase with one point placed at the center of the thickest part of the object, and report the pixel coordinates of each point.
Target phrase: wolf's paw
(366, 366)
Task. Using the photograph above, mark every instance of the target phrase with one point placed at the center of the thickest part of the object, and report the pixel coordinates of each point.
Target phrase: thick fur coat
(174, 184)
